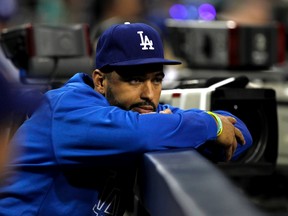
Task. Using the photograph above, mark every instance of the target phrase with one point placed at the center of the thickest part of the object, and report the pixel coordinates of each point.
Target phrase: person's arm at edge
(239, 124)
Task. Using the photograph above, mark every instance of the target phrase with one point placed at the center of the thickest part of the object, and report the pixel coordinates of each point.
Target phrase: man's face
(136, 89)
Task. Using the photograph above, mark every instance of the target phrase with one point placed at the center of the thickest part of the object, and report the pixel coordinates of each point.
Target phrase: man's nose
(147, 90)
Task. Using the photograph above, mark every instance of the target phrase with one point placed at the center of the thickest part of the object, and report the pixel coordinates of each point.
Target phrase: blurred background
(94, 12)
(213, 38)
(101, 14)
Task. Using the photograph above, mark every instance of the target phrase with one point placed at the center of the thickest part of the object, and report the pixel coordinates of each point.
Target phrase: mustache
(146, 103)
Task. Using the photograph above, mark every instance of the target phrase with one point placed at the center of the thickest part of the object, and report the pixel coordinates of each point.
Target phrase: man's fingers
(166, 111)
(230, 136)
(234, 146)
(232, 119)
(229, 153)
(231, 149)
(239, 136)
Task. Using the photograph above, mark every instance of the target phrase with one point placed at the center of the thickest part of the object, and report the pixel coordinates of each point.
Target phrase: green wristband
(219, 122)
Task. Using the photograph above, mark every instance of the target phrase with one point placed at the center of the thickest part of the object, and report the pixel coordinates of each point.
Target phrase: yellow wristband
(219, 122)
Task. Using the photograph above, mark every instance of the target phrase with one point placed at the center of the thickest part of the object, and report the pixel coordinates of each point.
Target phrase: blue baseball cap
(130, 45)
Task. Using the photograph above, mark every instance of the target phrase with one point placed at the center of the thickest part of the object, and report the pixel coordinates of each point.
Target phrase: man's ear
(98, 80)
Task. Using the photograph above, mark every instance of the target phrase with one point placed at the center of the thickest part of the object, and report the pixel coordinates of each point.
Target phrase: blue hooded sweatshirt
(77, 155)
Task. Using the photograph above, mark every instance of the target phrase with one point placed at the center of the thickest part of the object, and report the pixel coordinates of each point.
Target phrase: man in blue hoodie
(78, 152)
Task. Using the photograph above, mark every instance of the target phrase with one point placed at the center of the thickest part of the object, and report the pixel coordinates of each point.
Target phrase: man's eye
(158, 80)
(135, 81)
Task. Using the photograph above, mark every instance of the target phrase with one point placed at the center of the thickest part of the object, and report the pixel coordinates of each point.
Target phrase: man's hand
(166, 111)
(230, 136)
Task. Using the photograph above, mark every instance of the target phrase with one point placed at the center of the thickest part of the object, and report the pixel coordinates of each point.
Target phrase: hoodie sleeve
(92, 131)
(217, 155)
(243, 128)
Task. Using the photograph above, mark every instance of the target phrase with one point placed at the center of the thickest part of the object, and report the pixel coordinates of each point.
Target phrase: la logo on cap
(146, 43)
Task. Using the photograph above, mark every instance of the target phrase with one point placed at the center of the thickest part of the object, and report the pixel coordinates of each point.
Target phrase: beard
(113, 102)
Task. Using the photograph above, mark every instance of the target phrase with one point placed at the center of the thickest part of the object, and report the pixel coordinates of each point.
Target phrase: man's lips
(143, 109)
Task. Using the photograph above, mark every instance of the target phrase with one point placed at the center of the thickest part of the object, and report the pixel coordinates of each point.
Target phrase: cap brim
(146, 61)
